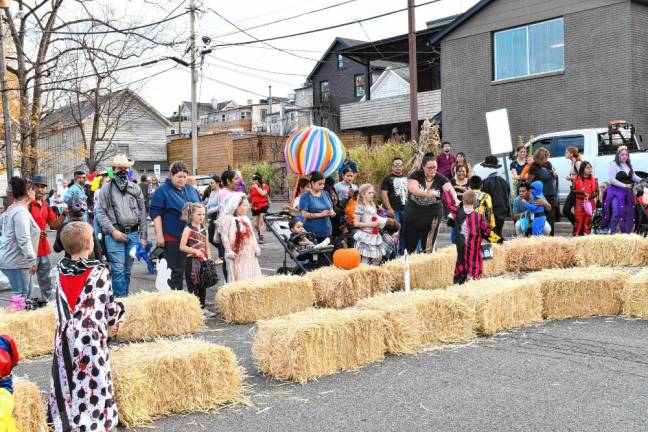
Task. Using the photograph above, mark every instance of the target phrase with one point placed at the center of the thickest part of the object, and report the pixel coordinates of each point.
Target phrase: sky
(286, 70)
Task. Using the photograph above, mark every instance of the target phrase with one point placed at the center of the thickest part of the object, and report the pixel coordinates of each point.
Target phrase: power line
(257, 69)
(321, 28)
(125, 30)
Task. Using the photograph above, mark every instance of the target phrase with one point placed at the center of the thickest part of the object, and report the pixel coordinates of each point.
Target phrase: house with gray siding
(554, 64)
(127, 124)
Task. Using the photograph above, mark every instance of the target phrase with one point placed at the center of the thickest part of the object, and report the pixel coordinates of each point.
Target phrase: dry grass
(619, 250)
(318, 342)
(155, 379)
(33, 331)
(427, 271)
(152, 315)
(634, 296)
(29, 407)
(492, 267)
(538, 253)
(580, 292)
(502, 304)
(264, 297)
(421, 319)
(335, 288)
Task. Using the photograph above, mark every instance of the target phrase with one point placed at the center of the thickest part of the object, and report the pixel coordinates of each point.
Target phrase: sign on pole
(156, 170)
(499, 132)
(59, 180)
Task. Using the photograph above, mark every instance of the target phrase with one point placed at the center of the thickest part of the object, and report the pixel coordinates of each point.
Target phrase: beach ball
(347, 259)
(314, 148)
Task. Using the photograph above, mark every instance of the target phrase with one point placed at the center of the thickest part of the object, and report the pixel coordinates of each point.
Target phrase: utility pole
(412, 71)
(269, 108)
(5, 105)
(194, 82)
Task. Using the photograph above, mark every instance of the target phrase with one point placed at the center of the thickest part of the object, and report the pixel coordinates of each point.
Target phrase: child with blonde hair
(368, 239)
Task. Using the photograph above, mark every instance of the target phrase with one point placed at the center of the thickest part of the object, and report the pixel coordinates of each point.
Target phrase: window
(560, 144)
(324, 91)
(223, 118)
(340, 60)
(242, 116)
(529, 50)
(264, 114)
(359, 85)
(172, 131)
(123, 149)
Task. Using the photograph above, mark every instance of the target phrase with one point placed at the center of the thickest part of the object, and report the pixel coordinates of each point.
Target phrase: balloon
(92, 176)
(95, 183)
(111, 174)
(314, 148)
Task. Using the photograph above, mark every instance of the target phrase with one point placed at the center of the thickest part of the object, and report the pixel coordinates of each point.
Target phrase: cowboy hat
(491, 162)
(121, 161)
(39, 179)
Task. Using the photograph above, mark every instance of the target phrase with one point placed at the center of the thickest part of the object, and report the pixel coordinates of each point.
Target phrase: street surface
(582, 374)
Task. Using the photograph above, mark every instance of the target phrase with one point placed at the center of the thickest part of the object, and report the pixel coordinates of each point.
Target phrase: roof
(65, 117)
(461, 19)
(441, 22)
(384, 64)
(402, 72)
(345, 42)
(205, 107)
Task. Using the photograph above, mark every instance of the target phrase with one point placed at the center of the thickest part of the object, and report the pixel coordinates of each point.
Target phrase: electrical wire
(125, 30)
(321, 28)
(256, 69)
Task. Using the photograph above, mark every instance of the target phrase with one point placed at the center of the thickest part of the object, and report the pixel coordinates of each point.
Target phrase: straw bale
(264, 297)
(538, 253)
(159, 314)
(580, 292)
(29, 407)
(502, 304)
(335, 288)
(619, 250)
(421, 319)
(427, 271)
(498, 264)
(33, 331)
(318, 342)
(634, 296)
(155, 379)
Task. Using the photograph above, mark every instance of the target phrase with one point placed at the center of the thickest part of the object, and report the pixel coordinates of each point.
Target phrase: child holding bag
(368, 239)
(586, 191)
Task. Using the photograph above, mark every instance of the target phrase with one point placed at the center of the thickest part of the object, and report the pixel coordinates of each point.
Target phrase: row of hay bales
(318, 342)
(272, 296)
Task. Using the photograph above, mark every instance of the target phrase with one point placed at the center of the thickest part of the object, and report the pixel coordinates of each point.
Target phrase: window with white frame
(529, 50)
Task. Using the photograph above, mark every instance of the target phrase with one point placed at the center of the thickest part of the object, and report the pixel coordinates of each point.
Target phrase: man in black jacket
(498, 189)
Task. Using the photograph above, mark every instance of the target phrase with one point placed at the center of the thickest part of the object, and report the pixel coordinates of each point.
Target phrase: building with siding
(181, 118)
(135, 128)
(555, 65)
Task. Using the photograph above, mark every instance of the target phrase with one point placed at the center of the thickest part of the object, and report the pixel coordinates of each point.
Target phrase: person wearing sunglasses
(394, 194)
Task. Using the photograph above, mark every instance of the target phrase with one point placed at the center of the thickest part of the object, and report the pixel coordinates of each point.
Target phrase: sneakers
(260, 239)
(208, 314)
(18, 303)
(324, 243)
(218, 261)
(35, 303)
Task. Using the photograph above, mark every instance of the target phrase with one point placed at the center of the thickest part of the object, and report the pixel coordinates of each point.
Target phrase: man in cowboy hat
(43, 215)
(121, 214)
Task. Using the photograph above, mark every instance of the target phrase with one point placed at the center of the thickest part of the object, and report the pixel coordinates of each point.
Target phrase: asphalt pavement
(576, 375)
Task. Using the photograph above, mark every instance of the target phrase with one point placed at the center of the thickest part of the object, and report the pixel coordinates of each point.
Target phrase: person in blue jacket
(536, 211)
(166, 211)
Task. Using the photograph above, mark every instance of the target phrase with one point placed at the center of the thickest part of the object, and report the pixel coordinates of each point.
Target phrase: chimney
(214, 103)
(250, 101)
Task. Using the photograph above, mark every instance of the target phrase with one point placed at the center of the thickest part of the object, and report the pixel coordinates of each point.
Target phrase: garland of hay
(264, 297)
(502, 304)
(422, 319)
(156, 379)
(318, 342)
(29, 409)
(634, 297)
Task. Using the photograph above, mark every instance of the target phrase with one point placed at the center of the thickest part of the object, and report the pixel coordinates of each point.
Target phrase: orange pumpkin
(347, 259)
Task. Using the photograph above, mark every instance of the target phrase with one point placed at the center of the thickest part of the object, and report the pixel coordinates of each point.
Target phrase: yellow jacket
(7, 423)
(485, 207)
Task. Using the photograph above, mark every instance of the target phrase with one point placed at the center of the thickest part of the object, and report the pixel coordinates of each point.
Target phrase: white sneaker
(323, 243)
(208, 314)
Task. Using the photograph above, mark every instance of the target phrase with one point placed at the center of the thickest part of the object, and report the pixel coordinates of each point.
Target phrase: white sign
(156, 170)
(499, 132)
(59, 179)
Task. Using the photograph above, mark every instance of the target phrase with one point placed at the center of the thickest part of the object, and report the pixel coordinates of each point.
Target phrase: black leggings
(423, 229)
(551, 215)
(176, 262)
(570, 202)
(200, 292)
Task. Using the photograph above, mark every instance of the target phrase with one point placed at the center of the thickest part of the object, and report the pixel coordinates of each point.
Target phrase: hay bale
(538, 253)
(421, 319)
(33, 331)
(634, 296)
(29, 407)
(427, 271)
(335, 288)
(264, 297)
(155, 379)
(498, 265)
(318, 342)
(159, 314)
(618, 250)
(502, 304)
(581, 292)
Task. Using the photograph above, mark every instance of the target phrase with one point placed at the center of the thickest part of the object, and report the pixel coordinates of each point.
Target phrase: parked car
(201, 183)
(594, 146)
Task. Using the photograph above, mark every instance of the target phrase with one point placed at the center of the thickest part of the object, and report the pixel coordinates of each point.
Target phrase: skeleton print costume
(81, 396)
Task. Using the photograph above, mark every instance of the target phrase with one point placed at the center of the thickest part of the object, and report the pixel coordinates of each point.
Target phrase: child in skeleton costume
(241, 247)
(82, 394)
(470, 228)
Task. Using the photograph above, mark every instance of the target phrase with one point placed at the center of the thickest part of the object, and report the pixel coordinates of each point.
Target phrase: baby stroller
(304, 258)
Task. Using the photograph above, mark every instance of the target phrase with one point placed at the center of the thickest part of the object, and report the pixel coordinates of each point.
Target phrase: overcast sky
(167, 90)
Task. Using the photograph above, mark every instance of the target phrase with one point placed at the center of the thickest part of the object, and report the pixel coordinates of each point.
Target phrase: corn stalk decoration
(429, 142)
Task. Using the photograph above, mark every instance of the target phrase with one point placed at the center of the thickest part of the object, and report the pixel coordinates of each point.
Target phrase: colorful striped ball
(314, 148)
